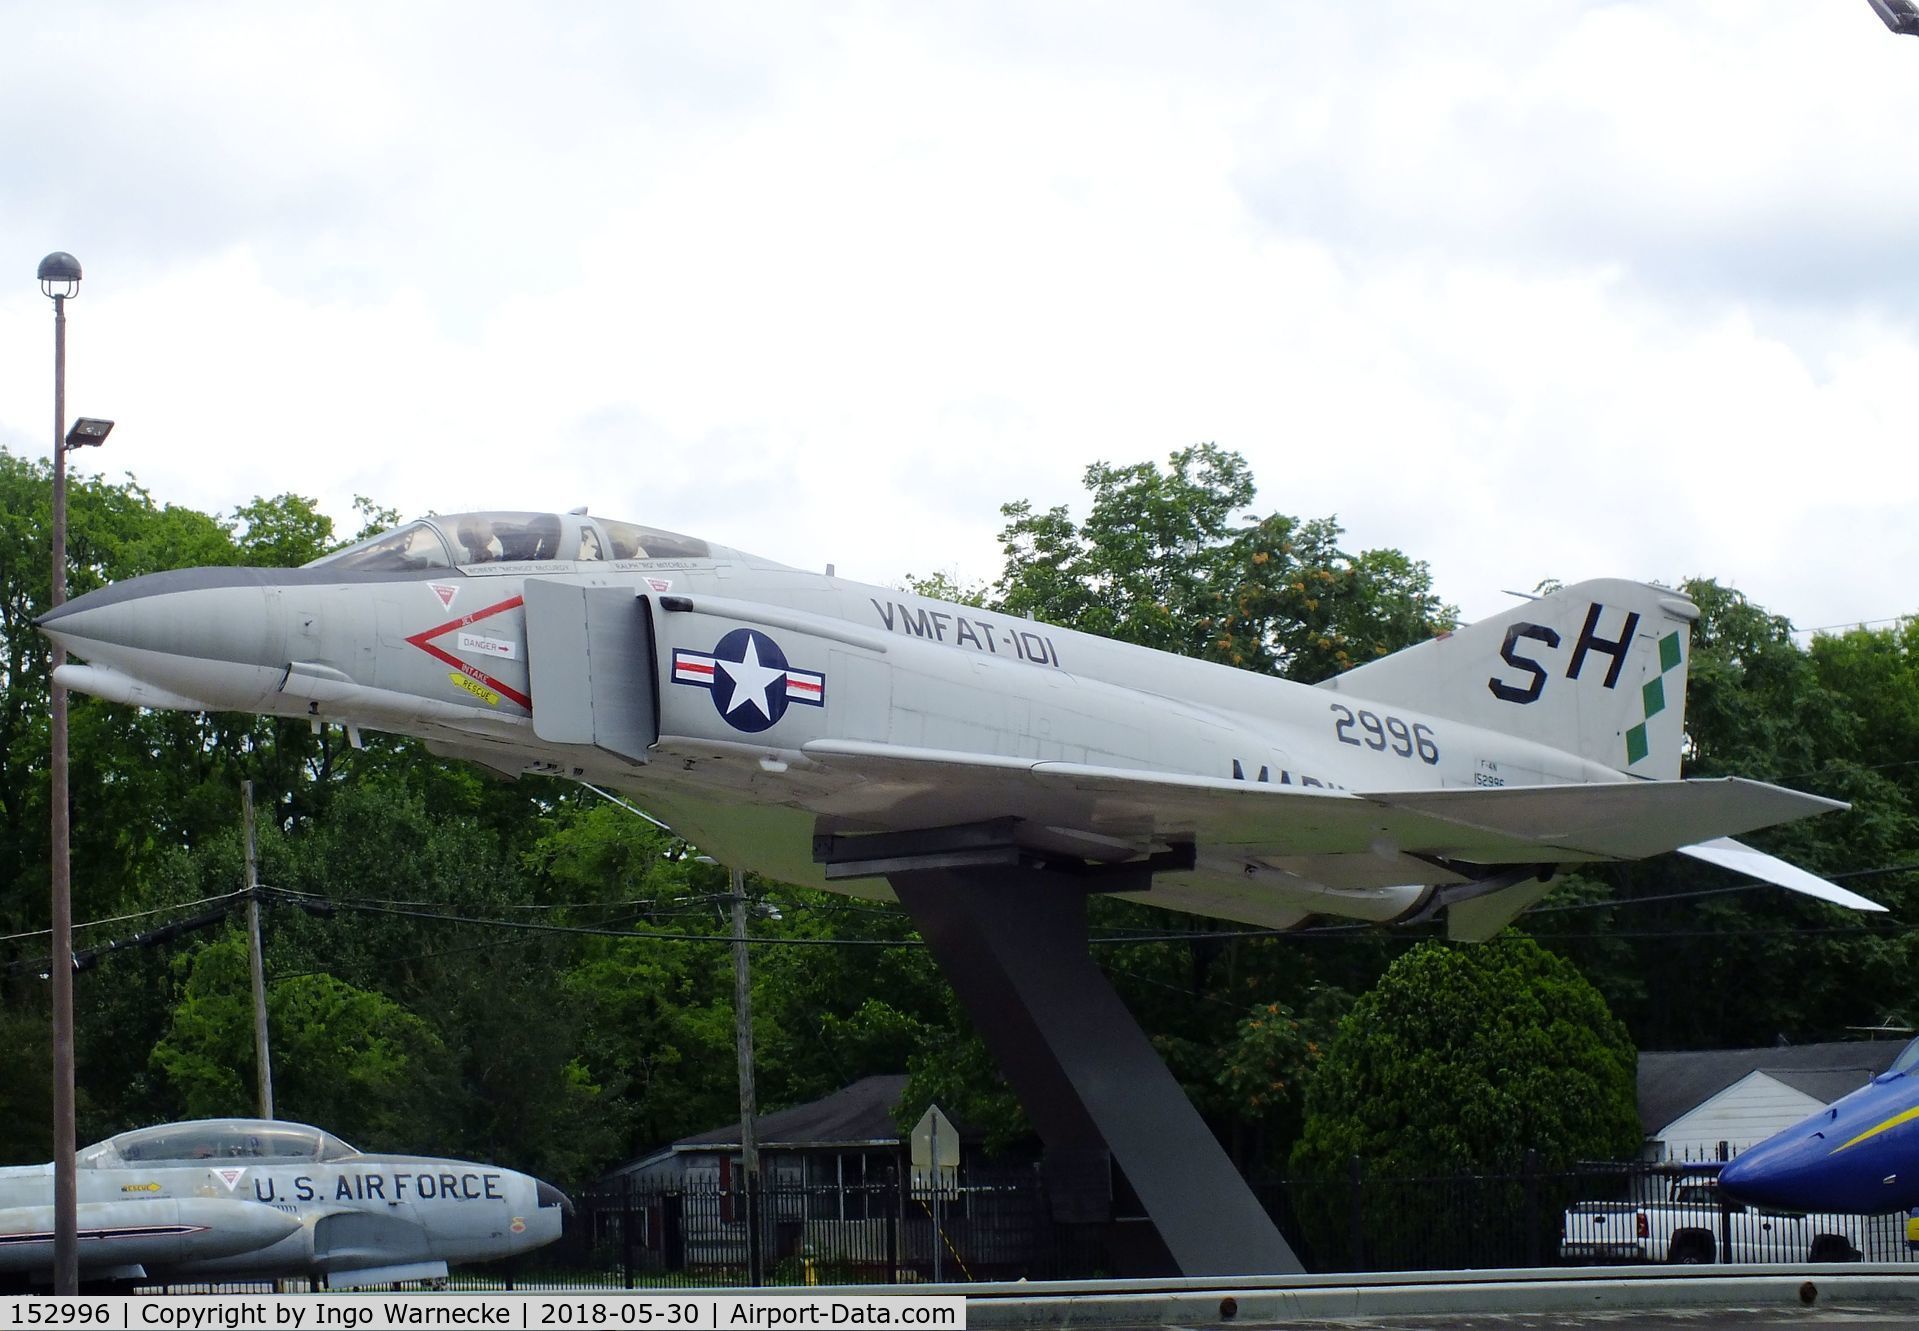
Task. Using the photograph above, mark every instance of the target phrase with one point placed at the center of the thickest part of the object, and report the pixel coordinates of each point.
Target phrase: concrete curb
(1218, 1302)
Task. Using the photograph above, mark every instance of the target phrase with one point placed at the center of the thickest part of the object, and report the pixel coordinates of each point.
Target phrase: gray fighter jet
(988, 771)
(771, 715)
(236, 1199)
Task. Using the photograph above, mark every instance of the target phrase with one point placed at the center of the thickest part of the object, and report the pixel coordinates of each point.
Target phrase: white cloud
(1523, 290)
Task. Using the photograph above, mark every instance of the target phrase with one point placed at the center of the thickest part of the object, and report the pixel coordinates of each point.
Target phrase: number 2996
(1368, 730)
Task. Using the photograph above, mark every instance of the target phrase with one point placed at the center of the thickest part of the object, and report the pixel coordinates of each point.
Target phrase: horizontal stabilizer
(1730, 854)
(1624, 820)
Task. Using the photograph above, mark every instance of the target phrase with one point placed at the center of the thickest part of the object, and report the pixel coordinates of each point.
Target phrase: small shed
(1692, 1100)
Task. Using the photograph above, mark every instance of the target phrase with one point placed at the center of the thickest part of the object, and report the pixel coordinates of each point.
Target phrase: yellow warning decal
(477, 689)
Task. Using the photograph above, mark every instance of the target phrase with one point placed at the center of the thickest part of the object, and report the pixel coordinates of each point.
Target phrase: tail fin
(1597, 669)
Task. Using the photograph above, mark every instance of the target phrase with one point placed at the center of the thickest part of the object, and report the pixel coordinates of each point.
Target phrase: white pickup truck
(1689, 1225)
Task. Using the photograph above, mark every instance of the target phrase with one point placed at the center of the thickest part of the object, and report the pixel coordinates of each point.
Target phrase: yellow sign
(477, 689)
(139, 1187)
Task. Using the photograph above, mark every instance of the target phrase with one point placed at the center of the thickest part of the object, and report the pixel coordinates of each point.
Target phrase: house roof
(856, 1115)
(1824, 1085)
(1673, 1083)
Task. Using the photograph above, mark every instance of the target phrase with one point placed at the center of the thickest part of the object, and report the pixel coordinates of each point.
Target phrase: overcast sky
(1523, 289)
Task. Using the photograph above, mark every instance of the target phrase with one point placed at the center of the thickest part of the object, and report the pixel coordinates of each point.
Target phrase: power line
(595, 932)
(136, 915)
(637, 903)
(1855, 624)
(447, 914)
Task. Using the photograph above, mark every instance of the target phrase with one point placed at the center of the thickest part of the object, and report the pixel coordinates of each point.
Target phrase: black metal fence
(984, 1226)
(1003, 1226)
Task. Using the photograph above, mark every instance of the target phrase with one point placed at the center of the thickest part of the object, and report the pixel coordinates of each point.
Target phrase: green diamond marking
(1635, 744)
(1668, 651)
(1655, 695)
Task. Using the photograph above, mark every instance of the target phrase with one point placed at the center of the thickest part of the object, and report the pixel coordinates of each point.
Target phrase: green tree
(1263, 1074)
(1461, 1060)
(284, 532)
(1465, 1058)
(1171, 560)
(347, 1059)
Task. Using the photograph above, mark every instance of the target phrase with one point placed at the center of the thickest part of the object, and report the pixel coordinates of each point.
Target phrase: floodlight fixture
(88, 431)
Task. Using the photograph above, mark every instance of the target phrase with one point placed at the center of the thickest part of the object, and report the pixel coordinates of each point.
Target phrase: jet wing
(1498, 825)
(1346, 840)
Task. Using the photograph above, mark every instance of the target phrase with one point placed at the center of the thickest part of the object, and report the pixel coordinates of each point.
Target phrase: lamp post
(60, 280)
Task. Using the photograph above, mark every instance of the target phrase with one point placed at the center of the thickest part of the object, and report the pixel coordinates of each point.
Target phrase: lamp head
(88, 430)
(60, 275)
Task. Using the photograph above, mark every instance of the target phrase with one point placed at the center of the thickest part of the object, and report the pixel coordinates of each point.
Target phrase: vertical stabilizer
(1597, 669)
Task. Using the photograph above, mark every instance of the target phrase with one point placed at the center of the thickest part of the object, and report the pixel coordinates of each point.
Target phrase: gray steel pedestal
(1012, 942)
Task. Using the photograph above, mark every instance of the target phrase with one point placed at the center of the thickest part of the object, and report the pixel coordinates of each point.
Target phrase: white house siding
(1748, 1111)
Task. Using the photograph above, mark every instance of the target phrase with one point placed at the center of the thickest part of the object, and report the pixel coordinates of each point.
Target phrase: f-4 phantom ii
(230, 1199)
(986, 770)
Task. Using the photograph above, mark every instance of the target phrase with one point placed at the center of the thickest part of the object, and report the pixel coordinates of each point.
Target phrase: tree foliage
(349, 1058)
(1171, 560)
(1465, 1058)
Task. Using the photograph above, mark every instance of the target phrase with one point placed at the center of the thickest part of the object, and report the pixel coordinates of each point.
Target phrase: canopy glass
(466, 539)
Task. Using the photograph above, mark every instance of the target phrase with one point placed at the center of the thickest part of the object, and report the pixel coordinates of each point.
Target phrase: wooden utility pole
(749, 1108)
(256, 962)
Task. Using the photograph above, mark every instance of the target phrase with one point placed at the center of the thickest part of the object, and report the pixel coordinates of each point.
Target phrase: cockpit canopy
(465, 539)
(215, 1139)
(1907, 1064)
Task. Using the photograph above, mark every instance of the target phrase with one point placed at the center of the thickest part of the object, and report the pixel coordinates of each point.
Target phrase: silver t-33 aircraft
(238, 1199)
(986, 770)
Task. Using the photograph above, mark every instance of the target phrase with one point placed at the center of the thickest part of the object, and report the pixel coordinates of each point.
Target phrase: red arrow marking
(472, 672)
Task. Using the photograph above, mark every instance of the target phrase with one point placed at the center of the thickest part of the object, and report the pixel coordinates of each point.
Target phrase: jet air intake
(590, 659)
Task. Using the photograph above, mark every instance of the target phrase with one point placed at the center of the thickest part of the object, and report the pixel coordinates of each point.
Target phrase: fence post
(1356, 1216)
(893, 1216)
(626, 1234)
(1725, 1210)
(673, 1230)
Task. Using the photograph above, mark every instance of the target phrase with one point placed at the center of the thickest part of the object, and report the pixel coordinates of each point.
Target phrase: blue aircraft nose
(1778, 1172)
(1859, 1156)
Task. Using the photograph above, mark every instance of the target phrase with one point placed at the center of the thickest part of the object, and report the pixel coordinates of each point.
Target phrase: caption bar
(530, 1312)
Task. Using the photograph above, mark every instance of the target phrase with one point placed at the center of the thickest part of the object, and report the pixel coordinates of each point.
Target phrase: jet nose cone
(216, 635)
(79, 605)
(1747, 1176)
(186, 611)
(548, 1195)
